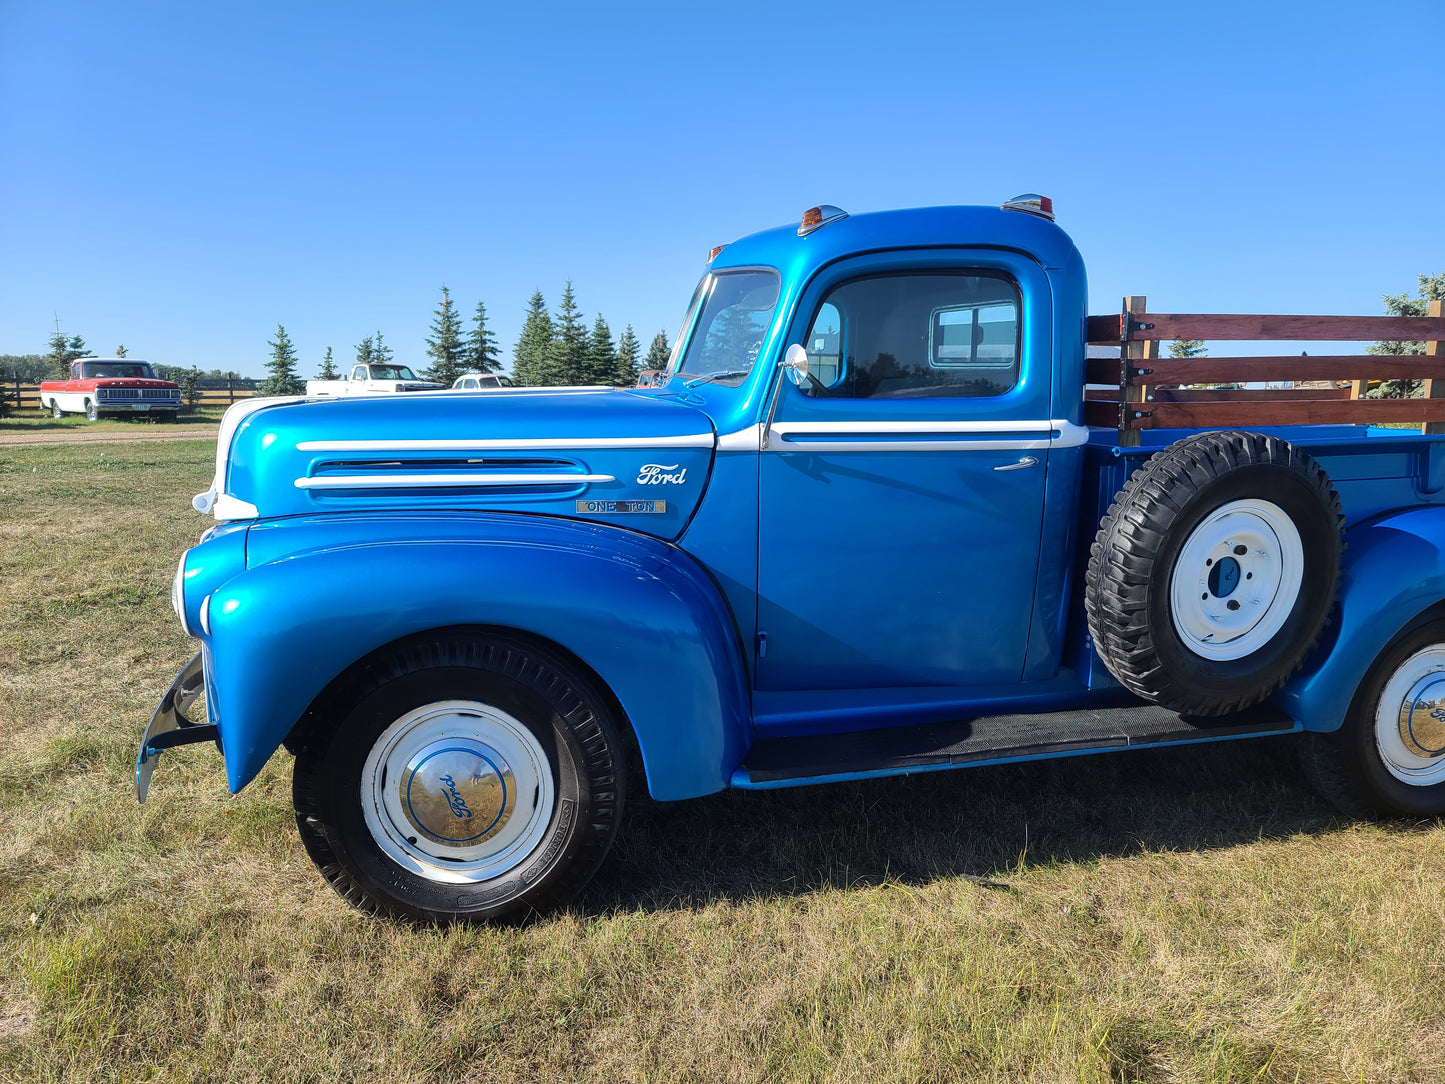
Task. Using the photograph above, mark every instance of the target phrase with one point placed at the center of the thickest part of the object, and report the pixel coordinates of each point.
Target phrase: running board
(814, 758)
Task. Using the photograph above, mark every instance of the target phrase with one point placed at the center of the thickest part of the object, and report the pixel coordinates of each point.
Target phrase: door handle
(1026, 461)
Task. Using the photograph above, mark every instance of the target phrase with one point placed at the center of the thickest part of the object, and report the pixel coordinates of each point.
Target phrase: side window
(75, 370)
(953, 334)
(358, 372)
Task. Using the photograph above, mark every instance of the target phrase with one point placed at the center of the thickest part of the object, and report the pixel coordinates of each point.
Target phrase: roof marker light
(712, 253)
(817, 217)
(1032, 203)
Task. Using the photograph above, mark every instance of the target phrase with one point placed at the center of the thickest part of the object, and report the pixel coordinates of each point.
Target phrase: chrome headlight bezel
(178, 594)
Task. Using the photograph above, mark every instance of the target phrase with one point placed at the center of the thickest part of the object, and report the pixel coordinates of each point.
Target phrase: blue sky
(182, 177)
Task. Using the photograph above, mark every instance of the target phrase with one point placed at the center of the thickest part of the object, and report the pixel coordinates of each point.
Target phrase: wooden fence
(213, 392)
(1150, 392)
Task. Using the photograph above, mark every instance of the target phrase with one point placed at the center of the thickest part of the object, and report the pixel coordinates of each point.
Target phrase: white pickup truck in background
(371, 379)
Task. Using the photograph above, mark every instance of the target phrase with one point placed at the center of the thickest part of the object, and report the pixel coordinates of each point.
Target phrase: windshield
(736, 312)
(392, 372)
(142, 369)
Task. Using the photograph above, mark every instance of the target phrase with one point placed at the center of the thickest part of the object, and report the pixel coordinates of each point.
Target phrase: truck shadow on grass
(974, 822)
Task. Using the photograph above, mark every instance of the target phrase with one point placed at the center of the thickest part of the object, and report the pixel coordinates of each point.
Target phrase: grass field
(30, 420)
(1195, 915)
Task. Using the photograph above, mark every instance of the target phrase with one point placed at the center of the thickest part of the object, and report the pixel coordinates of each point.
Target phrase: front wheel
(1388, 759)
(92, 412)
(55, 411)
(465, 777)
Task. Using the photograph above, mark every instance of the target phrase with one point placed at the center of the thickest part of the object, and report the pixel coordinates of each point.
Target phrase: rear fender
(1393, 573)
(321, 594)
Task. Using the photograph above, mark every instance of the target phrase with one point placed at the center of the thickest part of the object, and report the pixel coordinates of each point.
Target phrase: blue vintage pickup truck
(859, 528)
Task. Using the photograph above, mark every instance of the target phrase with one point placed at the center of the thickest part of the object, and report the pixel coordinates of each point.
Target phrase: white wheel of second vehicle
(1410, 719)
(1236, 579)
(457, 792)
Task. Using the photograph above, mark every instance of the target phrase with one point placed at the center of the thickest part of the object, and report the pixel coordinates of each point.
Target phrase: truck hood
(612, 456)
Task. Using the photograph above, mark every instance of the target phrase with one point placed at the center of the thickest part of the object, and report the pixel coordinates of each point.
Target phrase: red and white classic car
(111, 386)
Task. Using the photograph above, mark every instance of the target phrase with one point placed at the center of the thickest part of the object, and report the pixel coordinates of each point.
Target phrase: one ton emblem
(657, 474)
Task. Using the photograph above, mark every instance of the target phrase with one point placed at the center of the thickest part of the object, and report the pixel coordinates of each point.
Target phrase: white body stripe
(445, 481)
(910, 436)
(744, 440)
(685, 440)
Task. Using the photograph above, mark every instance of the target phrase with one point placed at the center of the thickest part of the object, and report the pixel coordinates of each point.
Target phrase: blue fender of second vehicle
(1394, 571)
(321, 594)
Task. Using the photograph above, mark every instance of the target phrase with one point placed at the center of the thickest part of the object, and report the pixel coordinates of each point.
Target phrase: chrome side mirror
(795, 364)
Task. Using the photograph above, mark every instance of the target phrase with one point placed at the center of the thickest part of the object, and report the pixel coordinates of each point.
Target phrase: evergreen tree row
(453, 353)
(553, 352)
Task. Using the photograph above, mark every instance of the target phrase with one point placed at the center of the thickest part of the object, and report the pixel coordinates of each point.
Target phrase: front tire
(55, 411)
(463, 776)
(1388, 758)
(92, 412)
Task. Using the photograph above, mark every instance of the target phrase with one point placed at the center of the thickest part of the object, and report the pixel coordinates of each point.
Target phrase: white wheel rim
(1410, 719)
(457, 792)
(1236, 579)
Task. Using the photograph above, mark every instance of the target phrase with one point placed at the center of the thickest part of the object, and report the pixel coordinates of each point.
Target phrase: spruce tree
(365, 351)
(482, 344)
(1187, 348)
(283, 379)
(190, 382)
(58, 358)
(529, 356)
(445, 346)
(624, 372)
(328, 367)
(63, 351)
(120, 350)
(1432, 288)
(565, 362)
(601, 354)
(658, 352)
(381, 354)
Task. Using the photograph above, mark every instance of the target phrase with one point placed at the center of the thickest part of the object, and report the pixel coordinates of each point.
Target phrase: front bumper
(170, 726)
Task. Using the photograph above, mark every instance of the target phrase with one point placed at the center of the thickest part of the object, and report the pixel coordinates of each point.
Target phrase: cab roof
(918, 227)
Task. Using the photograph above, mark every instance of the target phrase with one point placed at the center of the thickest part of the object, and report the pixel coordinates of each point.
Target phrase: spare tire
(1214, 571)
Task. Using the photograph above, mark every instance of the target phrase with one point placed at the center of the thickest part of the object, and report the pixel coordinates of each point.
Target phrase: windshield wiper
(708, 378)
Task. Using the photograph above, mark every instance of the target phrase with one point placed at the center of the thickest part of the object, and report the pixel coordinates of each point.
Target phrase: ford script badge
(657, 474)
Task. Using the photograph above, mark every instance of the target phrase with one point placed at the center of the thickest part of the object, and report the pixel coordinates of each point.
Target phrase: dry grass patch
(1194, 915)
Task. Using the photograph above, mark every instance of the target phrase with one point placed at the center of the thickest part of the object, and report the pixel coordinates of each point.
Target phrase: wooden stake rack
(1154, 393)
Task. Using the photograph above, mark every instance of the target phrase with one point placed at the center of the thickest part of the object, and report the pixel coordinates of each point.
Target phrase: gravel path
(91, 436)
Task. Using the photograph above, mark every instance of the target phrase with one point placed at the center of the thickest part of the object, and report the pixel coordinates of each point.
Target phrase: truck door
(902, 486)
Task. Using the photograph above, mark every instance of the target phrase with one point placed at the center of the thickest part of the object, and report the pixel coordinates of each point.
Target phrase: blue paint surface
(893, 585)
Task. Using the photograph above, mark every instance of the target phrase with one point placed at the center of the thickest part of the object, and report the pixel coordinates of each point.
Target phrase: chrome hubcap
(457, 792)
(1410, 719)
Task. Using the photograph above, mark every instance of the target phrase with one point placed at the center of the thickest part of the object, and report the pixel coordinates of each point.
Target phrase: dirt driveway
(91, 436)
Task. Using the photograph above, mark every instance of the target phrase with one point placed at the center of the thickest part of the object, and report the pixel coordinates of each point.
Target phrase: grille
(139, 393)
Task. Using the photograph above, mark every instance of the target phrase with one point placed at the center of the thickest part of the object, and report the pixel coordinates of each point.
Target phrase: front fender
(321, 592)
(1394, 570)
